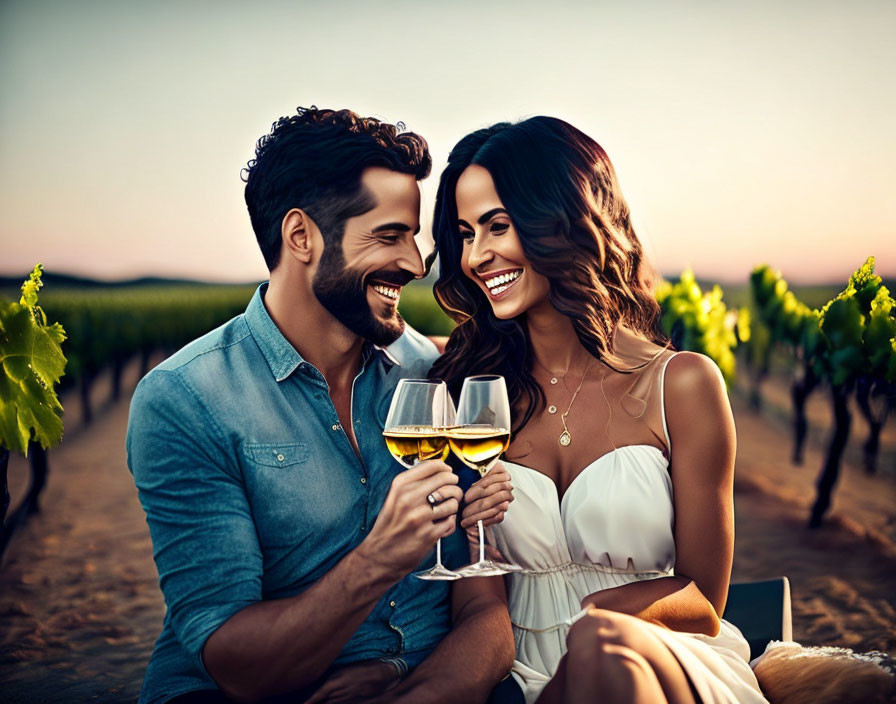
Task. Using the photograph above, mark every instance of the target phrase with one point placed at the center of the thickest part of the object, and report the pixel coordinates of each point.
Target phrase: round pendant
(554, 380)
(552, 409)
(565, 439)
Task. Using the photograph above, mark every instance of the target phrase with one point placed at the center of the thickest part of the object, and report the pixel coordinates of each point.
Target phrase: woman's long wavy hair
(561, 193)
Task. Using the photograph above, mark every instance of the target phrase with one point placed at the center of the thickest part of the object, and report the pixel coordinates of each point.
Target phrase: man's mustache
(396, 278)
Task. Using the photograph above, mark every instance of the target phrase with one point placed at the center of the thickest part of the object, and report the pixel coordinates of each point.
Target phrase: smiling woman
(622, 522)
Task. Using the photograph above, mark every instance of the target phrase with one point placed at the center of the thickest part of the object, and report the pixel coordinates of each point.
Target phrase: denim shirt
(252, 491)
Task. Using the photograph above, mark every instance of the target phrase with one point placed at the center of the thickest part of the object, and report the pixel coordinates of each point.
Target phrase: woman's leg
(615, 658)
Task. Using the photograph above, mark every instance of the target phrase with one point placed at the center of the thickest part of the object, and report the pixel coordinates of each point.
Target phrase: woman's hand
(488, 499)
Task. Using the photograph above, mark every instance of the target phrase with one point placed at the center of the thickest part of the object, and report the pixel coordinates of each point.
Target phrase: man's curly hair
(313, 160)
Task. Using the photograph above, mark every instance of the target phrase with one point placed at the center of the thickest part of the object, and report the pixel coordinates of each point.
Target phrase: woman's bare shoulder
(694, 387)
(692, 372)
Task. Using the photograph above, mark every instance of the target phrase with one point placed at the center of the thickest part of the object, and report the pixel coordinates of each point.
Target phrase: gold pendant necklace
(565, 437)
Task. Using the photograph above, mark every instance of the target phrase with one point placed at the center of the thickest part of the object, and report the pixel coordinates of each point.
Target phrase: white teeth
(386, 291)
(497, 282)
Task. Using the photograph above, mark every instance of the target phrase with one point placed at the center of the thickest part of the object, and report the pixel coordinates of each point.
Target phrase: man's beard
(343, 292)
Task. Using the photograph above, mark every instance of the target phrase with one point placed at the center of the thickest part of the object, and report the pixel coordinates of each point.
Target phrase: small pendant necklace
(565, 437)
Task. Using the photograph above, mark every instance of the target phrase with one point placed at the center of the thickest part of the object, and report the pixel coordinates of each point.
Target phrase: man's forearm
(285, 644)
(675, 602)
(468, 663)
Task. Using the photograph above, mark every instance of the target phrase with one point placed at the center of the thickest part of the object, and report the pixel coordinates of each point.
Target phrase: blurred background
(744, 133)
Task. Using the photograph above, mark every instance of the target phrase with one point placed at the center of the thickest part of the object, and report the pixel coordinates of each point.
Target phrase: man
(283, 532)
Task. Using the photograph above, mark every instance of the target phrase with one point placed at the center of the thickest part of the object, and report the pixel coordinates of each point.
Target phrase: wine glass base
(438, 574)
(486, 568)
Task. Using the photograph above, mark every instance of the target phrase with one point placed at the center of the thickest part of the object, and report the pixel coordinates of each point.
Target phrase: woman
(622, 453)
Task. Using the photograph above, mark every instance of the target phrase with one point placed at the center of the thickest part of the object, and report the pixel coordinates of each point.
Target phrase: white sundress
(614, 526)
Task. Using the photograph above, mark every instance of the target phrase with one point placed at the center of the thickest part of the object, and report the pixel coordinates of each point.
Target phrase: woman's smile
(492, 254)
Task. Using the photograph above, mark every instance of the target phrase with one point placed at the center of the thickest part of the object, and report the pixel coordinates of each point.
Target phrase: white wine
(478, 446)
(410, 444)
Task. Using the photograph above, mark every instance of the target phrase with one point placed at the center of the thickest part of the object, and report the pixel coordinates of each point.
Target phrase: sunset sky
(742, 132)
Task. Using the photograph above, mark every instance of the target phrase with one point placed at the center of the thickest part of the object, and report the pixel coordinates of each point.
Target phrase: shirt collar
(282, 358)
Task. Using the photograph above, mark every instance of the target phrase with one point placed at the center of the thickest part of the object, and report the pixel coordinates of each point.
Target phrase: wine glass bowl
(479, 438)
(416, 429)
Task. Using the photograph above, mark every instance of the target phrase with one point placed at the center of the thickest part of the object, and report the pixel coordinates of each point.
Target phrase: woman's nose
(480, 253)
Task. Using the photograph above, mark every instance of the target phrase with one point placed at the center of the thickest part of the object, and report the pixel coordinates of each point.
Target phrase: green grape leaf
(842, 325)
(700, 321)
(890, 374)
(31, 286)
(865, 284)
(31, 363)
(880, 328)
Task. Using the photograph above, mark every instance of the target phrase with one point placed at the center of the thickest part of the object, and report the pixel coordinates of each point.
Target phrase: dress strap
(663, 403)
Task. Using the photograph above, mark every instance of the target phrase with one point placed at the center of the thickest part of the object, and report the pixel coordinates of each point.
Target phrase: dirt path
(80, 606)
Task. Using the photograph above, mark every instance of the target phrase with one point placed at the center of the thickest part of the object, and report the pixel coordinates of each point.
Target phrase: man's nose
(411, 261)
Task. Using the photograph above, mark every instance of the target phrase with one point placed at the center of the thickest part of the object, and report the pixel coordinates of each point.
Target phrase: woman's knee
(600, 634)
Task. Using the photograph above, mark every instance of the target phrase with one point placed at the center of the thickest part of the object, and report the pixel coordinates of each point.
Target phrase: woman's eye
(499, 228)
(466, 235)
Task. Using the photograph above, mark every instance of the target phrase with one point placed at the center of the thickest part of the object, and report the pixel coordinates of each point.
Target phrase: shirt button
(363, 529)
(336, 426)
(392, 604)
(363, 480)
(280, 458)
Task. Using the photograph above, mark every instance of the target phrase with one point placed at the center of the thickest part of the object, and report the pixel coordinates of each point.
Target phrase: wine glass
(419, 416)
(481, 435)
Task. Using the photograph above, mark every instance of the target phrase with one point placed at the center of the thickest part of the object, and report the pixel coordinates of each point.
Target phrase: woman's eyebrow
(485, 217)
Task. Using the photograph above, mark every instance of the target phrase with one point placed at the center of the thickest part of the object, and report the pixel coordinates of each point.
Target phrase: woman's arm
(702, 435)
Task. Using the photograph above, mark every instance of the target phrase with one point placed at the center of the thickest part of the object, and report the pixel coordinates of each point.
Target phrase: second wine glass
(480, 437)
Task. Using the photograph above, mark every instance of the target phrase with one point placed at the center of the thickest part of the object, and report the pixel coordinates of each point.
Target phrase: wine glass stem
(481, 541)
(439, 552)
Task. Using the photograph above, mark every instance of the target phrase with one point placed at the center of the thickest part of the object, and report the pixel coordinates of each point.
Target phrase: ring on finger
(434, 498)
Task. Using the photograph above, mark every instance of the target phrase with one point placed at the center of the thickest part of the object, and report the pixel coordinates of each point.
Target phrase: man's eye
(390, 239)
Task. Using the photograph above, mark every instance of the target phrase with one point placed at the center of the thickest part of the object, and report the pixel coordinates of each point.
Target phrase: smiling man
(283, 532)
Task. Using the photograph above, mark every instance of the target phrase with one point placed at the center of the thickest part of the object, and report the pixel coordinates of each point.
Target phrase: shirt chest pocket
(276, 455)
(294, 493)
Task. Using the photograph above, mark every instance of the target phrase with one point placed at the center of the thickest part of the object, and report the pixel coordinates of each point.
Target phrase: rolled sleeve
(204, 540)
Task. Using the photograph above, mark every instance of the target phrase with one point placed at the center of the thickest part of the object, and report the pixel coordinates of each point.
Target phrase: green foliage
(31, 363)
(859, 330)
(420, 310)
(108, 326)
(700, 322)
(880, 336)
(776, 307)
(842, 325)
(851, 336)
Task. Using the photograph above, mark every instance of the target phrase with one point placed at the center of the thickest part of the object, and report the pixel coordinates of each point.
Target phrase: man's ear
(297, 231)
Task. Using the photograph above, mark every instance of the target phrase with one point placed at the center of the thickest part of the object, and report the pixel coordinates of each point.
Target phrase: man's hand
(357, 682)
(488, 499)
(408, 525)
